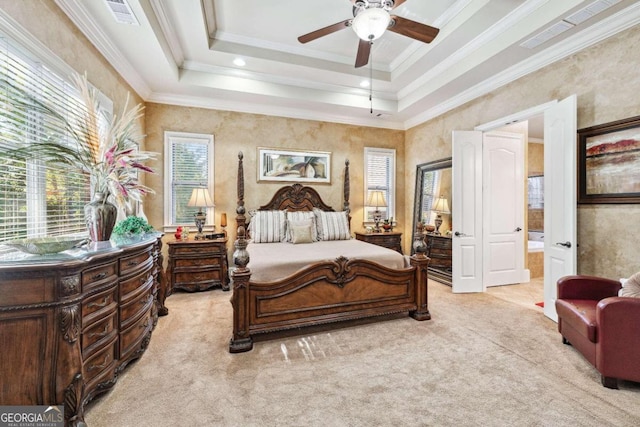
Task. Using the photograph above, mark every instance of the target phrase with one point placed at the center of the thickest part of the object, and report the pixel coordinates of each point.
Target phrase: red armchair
(603, 327)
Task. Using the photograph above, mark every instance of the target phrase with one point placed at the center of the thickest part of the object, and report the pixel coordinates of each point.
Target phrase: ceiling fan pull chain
(371, 77)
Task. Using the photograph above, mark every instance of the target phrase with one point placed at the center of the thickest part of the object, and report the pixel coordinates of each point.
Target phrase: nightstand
(391, 240)
(197, 265)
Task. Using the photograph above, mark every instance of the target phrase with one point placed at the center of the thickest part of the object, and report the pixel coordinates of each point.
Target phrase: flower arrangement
(105, 148)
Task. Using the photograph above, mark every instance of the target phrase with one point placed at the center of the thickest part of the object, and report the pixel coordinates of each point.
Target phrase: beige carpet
(480, 361)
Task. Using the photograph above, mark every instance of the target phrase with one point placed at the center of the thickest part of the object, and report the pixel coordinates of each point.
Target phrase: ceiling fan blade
(324, 31)
(413, 29)
(397, 3)
(362, 57)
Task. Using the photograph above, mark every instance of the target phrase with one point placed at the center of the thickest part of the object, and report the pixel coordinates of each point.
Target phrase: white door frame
(515, 117)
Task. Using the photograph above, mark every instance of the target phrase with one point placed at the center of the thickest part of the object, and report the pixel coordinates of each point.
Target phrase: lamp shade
(376, 198)
(200, 198)
(442, 206)
(371, 23)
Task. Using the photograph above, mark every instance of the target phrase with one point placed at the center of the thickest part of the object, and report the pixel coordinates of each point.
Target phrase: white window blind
(430, 187)
(188, 164)
(36, 199)
(380, 174)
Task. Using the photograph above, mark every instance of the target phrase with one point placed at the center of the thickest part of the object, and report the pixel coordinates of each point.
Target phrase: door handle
(565, 244)
(518, 229)
(459, 234)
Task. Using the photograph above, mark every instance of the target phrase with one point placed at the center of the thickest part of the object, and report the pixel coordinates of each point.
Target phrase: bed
(329, 287)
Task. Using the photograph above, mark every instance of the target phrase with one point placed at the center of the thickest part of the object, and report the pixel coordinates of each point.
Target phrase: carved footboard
(323, 292)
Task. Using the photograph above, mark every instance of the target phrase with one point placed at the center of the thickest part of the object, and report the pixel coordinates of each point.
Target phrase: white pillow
(622, 282)
(268, 227)
(300, 231)
(631, 287)
(296, 216)
(332, 225)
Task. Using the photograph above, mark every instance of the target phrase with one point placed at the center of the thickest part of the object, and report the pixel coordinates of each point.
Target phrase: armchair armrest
(618, 346)
(587, 287)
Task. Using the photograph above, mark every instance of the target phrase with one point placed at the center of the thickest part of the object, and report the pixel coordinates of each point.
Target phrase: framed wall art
(609, 162)
(294, 166)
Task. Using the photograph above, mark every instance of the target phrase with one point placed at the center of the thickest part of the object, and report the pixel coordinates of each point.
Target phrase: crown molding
(167, 30)
(270, 110)
(590, 36)
(78, 14)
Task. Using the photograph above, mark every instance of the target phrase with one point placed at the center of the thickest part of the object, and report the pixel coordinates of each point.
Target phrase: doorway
(560, 255)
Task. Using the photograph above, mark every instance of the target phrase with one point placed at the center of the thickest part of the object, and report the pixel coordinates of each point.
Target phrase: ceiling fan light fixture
(371, 23)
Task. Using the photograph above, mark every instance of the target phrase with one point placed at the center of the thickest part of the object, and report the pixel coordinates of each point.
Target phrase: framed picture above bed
(294, 166)
(609, 162)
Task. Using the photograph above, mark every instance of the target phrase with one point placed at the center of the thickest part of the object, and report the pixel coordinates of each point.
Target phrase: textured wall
(606, 80)
(234, 132)
(535, 159)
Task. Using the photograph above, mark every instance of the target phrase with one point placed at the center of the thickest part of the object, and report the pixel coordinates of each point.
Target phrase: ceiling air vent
(569, 22)
(122, 12)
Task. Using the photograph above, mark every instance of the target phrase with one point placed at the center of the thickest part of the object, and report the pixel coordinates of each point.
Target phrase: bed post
(241, 340)
(420, 261)
(345, 190)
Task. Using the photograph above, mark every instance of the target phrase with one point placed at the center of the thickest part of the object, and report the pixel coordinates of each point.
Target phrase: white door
(466, 212)
(503, 208)
(560, 255)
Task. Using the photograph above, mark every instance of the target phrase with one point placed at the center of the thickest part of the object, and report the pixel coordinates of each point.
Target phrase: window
(36, 199)
(188, 164)
(535, 190)
(380, 174)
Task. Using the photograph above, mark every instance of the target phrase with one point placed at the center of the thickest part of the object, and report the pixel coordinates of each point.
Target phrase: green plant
(132, 225)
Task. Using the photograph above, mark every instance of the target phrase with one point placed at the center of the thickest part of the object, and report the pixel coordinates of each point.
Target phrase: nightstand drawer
(197, 262)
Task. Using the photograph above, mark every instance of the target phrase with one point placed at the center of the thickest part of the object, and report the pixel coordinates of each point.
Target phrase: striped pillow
(268, 227)
(296, 216)
(332, 225)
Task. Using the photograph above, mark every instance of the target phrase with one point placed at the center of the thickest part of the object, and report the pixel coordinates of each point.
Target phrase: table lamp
(223, 222)
(376, 199)
(200, 198)
(441, 207)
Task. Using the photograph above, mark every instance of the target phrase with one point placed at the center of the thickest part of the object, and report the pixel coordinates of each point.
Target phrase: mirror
(432, 207)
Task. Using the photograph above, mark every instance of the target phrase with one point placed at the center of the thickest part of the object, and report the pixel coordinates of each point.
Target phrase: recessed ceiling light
(239, 62)
(364, 83)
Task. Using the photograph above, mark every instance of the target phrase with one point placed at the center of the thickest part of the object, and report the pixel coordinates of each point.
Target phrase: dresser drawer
(131, 286)
(130, 310)
(99, 305)
(132, 263)
(96, 335)
(131, 336)
(99, 362)
(98, 275)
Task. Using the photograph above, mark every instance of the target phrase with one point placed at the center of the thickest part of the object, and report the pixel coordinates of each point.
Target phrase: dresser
(71, 322)
(197, 265)
(439, 252)
(391, 239)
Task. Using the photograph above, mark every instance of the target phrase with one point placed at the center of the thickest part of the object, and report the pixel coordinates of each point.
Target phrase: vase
(100, 216)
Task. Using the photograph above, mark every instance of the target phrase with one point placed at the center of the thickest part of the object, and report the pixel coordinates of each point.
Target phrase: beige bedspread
(271, 261)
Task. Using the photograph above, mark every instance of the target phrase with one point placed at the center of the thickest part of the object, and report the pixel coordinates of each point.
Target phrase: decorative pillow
(268, 227)
(332, 225)
(300, 231)
(622, 282)
(631, 287)
(302, 216)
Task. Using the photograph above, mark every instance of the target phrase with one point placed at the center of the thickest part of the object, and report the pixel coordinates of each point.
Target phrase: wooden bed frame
(323, 292)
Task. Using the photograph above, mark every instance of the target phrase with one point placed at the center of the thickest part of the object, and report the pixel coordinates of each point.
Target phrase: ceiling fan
(370, 20)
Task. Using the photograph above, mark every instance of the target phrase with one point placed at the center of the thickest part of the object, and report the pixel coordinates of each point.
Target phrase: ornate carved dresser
(70, 322)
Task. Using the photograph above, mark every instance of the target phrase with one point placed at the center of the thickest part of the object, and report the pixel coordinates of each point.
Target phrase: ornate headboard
(294, 197)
